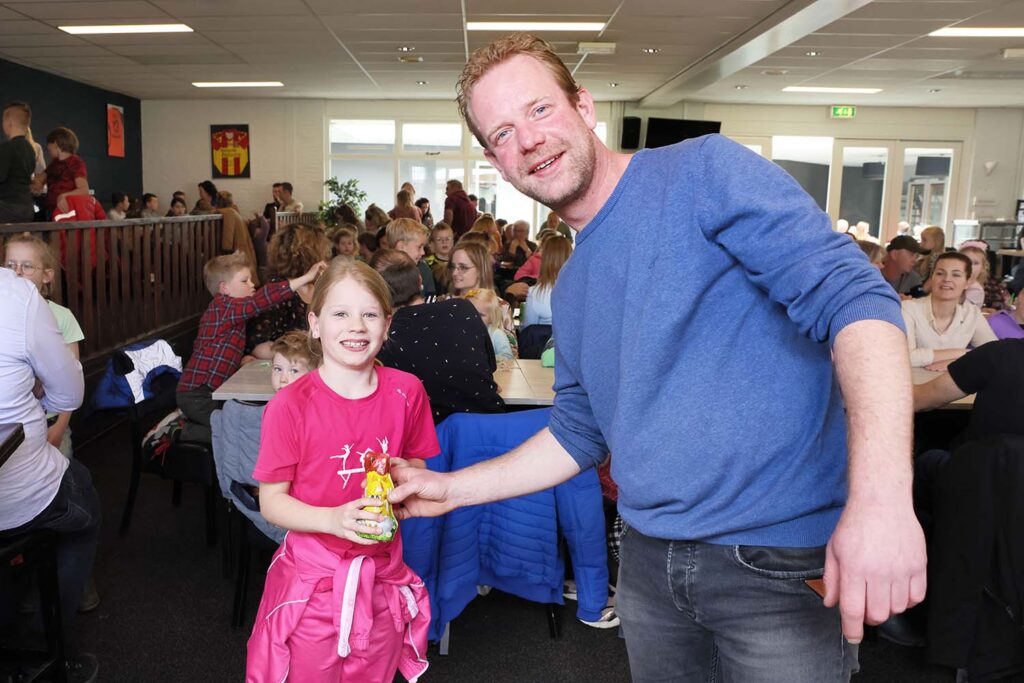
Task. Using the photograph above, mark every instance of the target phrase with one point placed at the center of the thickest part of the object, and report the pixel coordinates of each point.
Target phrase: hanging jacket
(976, 560)
(511, 545)
(131, 371)
(299, 566)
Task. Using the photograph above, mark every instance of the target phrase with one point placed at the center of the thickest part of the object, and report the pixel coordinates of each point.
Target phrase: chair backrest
(532, 340)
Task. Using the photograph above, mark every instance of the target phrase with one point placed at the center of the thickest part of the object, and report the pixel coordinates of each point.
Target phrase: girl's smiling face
(351, 326)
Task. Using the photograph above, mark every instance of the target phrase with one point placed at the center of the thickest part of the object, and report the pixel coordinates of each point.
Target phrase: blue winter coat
(512, 545)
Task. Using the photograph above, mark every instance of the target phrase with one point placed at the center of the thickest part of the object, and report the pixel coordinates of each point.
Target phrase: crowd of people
(378, 327)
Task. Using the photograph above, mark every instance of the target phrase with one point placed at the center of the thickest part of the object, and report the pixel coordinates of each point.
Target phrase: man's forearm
(874, 374)
(539, 463)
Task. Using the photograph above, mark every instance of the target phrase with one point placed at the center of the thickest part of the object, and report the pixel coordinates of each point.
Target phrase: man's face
(153, 204)
(448, 190)
(8, 127)
(521, 232)
(284, 195)
(904, 259)
(276, 191)
(538, 140)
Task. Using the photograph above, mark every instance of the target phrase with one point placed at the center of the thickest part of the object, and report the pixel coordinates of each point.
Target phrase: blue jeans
(74, 514)
(702, 613)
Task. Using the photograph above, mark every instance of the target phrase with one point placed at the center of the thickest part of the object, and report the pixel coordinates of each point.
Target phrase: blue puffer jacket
(511, 545)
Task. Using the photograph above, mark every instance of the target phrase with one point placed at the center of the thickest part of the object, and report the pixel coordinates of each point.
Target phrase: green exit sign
(842, 111)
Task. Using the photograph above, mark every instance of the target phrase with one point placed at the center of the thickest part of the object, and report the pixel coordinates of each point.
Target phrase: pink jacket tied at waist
(298, 567)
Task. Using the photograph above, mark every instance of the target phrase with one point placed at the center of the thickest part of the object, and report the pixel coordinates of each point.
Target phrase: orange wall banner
(115, 131)
(229, 146)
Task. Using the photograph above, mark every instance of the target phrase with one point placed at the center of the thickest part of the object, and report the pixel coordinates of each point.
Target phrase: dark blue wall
(58, 101)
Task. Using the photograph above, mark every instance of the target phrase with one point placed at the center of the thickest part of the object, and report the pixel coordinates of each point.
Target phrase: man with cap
(898, 267)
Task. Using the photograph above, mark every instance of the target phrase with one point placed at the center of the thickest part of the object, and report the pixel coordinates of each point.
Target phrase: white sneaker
(609, 619)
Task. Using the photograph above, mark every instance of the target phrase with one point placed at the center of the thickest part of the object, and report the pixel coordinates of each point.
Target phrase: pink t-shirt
(313, 437)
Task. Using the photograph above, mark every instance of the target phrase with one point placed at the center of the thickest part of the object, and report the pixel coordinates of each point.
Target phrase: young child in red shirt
(338, 606)
(217, 352)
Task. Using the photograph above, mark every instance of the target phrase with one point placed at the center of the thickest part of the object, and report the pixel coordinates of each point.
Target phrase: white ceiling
(348, 49)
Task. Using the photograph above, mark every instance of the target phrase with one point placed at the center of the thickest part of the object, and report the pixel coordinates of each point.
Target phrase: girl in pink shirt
(337, 606)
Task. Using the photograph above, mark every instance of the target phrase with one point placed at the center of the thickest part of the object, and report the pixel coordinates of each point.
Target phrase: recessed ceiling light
(775, 72)
(238, 84)
(422, 82)
(406, 48)
(934, 90)
(613, 84)
(1004, 32)
(534, 25)
(650, 50)
(126, 28)
(410, 59)
(739, 87)
(813, 53)
(853, 91)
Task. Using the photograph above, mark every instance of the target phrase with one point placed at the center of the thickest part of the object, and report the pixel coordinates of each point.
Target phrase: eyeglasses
(443, 240)
(460, 267)
(25, 267)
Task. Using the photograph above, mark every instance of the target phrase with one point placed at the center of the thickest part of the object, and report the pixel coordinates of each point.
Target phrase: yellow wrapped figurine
(378, 485)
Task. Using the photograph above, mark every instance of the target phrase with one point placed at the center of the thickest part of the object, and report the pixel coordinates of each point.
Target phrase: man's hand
(420, 493)
(875, 565)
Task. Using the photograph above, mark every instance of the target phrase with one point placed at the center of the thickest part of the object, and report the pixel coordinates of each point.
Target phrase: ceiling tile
(100, 12)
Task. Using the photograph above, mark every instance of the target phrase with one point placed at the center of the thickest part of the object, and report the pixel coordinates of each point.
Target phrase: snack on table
(379, 485)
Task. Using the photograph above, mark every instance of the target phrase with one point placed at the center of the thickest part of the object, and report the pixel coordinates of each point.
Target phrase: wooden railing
(131, 279)
(287, 218)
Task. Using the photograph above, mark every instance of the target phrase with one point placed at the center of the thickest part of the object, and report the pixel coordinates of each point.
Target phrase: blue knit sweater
(693, 329)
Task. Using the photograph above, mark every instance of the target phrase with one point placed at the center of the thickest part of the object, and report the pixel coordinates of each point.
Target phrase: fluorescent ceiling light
(534, 25)
(126, 28)
(853, 91)
(1004, 32)
(238, 84)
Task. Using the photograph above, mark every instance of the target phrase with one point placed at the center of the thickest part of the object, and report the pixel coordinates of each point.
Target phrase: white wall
(999, 138)
(286, 143)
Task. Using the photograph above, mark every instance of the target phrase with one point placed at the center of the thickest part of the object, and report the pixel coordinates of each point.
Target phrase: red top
(217, 353)
(315, 439)
(463, 212)
(60, 178)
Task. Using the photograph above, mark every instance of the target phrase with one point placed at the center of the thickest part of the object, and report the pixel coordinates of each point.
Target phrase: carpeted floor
(166, 608)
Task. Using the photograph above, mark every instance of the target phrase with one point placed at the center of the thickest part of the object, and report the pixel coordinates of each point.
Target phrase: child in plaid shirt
(217, 352)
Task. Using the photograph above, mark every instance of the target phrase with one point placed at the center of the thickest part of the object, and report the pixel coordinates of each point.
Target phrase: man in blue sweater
(696, 337)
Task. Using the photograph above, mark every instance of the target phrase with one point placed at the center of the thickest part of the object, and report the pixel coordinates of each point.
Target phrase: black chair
(532, 340)
(183, 462)
(248, 537)
(38, 550)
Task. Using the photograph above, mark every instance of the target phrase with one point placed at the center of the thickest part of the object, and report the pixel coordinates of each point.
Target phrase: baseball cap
(905, 242)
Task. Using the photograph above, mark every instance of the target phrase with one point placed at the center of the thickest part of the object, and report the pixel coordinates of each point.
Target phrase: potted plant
(347, 192)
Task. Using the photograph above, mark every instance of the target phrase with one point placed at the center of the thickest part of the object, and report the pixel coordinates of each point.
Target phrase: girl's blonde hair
(489, 298)
(488, 226)
(339, 269)
(480, 258)
(377, 216)
(555, 253)
(43, 253)
(983, 273)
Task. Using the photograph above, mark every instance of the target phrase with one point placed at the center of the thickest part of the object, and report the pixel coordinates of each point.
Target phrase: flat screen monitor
(662, 132)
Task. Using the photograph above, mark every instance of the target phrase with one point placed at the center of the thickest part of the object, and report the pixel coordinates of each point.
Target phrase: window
(431, 137)
(376, 178)
(362, 137)
(807, 159)
(429, 177)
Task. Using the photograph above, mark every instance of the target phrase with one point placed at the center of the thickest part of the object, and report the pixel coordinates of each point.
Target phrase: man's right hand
(421, 493)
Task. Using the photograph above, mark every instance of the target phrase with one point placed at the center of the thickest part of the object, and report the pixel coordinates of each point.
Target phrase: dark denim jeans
(75, 515)
(700, 612)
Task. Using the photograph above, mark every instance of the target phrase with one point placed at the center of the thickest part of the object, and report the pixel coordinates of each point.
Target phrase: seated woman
(1008, 323)
(471, 267)
(557, 251)
(292, 247)
(939, 327)
(445, 344)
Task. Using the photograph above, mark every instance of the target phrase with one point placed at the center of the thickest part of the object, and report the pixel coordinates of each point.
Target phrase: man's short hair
(405, 230)
(117, 197)
(222, 268)
(287, 187)
(472, 198)
(276, 185)
(19, 112)
(502, 49)
(295, 346)
(368, 240)
(401, 274)
(64, 138)
(146, 197)
(179, 193)
(453, 183)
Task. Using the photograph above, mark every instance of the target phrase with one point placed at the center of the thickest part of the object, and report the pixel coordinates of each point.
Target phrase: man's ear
(585, 107)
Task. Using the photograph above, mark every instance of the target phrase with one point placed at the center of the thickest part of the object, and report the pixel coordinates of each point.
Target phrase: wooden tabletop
(520, 383)
(920, 376)
(1011, 252)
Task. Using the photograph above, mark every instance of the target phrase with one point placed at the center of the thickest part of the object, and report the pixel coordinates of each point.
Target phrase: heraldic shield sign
(229, 147)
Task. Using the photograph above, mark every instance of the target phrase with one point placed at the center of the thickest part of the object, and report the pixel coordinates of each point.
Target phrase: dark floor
(165, 610)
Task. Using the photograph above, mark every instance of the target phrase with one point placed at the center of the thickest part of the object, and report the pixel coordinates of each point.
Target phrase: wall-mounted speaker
(630, 132)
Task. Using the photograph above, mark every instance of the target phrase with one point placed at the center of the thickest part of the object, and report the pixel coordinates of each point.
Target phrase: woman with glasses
(471, 267)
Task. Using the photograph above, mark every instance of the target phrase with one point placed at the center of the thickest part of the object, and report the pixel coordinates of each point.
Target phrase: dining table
(921, 376)
(521, 382)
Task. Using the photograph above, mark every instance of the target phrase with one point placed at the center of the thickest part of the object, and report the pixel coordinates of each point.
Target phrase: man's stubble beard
(581, 160)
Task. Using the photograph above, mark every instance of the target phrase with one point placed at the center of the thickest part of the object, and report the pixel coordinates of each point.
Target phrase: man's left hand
(875, 564)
